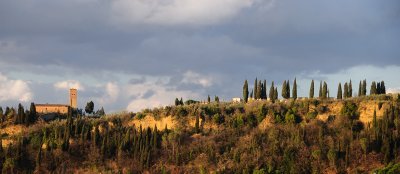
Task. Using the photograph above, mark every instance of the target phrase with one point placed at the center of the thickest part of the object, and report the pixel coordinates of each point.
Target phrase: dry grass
(149, 121)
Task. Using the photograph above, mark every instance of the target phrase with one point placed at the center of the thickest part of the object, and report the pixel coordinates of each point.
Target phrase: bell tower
(73, 95)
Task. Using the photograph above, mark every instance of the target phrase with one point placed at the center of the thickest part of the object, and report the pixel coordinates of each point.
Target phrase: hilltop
(359, 134)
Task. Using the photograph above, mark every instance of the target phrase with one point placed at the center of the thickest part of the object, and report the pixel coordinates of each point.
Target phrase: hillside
(302, 136)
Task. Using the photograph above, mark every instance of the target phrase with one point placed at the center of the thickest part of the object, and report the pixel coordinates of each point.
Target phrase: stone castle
(59, 108)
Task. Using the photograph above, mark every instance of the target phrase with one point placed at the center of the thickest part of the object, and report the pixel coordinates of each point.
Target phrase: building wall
(73, 95)
(51, 109)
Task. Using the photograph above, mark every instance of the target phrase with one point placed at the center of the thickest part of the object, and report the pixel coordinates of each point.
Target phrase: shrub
(312, 115)
(140, 115)
(349, 110)
(218, 119)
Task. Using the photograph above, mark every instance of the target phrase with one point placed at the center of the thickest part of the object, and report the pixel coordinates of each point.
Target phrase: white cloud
(176, 12)
(14, 90)
(393, 91)
(191, 77)
(111, 93)
(68, 84)
(161, 95)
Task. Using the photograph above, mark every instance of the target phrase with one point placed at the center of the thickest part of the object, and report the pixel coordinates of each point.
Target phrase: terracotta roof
(51, 105)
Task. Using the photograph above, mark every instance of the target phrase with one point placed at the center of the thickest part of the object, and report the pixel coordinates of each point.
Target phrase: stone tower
(73, 95)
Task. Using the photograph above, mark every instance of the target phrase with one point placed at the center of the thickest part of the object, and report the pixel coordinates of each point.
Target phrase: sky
(127, 55)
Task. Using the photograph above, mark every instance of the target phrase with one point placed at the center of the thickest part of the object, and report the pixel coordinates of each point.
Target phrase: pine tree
(271, 92)
(339, 94)
(373, 88)
(346, 90)
(245, 91)
(320, 90)
(350, 91)
(294, 95)
(312, 89)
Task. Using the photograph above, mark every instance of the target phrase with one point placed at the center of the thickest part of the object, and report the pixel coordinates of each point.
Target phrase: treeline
(260, 90)
(21, 116)
(51, 149)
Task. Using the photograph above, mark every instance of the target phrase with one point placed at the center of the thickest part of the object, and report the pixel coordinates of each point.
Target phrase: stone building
(59, 108)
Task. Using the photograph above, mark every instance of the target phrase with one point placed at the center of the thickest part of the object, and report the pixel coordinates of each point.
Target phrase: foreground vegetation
(256, 137)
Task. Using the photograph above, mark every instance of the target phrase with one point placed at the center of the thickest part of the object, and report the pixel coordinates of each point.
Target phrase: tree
(255, 89)
(284, 89)
(383, 88)
(373, 88)
(32, 114)
(271, 92)
(359, 89)
(294, 95)
(209, 99)
(89, 107)
(258, 93)
(1, 115)
(350, 91)
(324, 91)
(251, 94)
(339, 93)
(276, 94)
(245, 91)
(265, 90)
(364, 88)
(181, 101)
(320, 90)
(287, 89)
(101, 112)
(216, 98)
(346, 90)
(196, 125)
(177, 103)
(312, 89)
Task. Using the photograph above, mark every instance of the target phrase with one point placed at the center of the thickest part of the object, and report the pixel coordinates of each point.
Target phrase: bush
(218, 119)
(140, 115)
(349, 110)
(312, 115)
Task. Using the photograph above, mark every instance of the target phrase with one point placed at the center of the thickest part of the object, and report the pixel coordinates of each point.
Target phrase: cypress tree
(255, 89)
(383, 88)
(245, 91)
(350, 91)
(284, 89)
(324, 91)
(378, 88)
(339, 94)
(181, 101)
(276, 93)
(320, 90)
(287, 89)
(294, 95)
(265, 89)
(271, 92)
(177, 102)
(32, 113)
(1, 115)
(312, 89)
(364, 88)
(251, 94)
(258, 93)
(346, 90)
(359, 89)
(209, 99)
(196, 125)
(373, 88)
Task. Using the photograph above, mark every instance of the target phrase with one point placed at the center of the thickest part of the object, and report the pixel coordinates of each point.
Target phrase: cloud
(176, 12)
(191, 77)
(14, 90)
(161, 95)
(68, 84)
(112, 93)
(393, 91)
